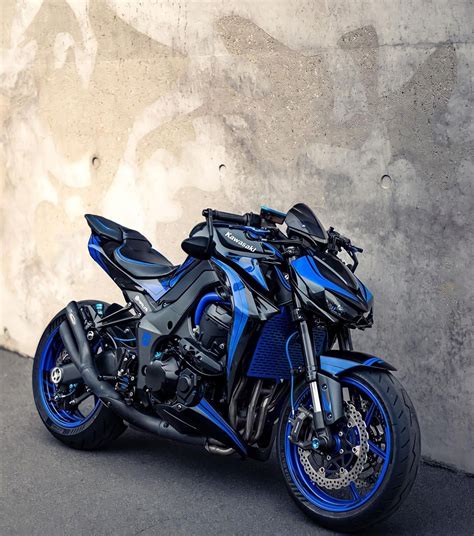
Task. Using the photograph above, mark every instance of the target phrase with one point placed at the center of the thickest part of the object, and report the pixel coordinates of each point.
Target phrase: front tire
(88, 426)
(391, 436)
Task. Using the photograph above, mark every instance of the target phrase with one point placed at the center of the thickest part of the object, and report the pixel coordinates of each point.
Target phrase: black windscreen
(302, 220)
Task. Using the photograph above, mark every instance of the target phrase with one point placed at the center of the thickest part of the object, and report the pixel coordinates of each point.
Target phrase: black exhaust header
(75, 341)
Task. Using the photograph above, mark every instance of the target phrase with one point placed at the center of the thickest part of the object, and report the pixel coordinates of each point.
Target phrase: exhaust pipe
(75, 341)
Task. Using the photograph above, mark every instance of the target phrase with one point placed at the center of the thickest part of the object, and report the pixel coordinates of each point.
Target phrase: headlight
(338, 308)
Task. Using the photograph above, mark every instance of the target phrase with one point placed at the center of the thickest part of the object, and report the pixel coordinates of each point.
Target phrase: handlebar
(249, 218)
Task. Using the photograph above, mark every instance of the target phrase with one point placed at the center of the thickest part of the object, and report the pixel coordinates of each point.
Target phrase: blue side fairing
(252, 267)
(240, 309)
(204, 408)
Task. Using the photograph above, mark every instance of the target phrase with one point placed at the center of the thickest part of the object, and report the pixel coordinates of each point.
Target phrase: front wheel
(371, 468)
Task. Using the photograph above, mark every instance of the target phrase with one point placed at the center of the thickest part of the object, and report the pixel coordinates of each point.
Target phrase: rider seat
(134, 252)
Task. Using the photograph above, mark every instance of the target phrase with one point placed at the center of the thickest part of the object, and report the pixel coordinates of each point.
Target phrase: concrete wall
(148, 111)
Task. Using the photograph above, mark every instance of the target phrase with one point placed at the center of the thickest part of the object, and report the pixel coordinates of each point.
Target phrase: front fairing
(328, 287)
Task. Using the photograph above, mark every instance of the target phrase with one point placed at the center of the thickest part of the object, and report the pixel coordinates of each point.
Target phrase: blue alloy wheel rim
(60, 416)
(317, 495)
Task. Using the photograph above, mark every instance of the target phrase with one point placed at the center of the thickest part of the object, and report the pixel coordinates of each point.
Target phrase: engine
(214, 328)
(180, 366)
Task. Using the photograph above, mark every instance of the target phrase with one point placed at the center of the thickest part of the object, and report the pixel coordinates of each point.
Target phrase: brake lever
(352, 251)
(352, 254)
(337, 243)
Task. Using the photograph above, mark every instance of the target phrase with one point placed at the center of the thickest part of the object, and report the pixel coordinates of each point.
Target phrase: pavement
(142, 485)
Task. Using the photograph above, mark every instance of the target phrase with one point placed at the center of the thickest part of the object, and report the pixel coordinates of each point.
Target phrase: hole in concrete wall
(95, 162)
(386, 182)
(222, 168)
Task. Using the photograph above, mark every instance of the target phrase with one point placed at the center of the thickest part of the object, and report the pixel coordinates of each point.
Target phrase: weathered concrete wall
(148, 111)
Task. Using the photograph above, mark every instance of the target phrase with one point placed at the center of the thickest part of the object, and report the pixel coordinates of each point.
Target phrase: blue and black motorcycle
(234, 350)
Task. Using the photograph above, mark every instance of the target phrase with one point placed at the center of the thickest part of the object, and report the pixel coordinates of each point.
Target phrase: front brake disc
(344, 476)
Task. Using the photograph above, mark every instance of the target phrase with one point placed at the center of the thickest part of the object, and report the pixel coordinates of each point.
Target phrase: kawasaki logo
(240, 242)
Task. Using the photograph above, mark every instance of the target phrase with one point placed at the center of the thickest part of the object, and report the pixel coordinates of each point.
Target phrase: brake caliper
(299, 430)
(346, 463)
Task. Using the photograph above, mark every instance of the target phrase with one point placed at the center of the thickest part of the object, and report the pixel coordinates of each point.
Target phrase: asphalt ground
(142, 485)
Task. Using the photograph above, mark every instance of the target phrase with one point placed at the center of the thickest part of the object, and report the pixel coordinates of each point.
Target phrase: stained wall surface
(146, 112)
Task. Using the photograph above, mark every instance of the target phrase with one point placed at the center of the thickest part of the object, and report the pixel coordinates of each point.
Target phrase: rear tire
(90, 432)
(400, 470)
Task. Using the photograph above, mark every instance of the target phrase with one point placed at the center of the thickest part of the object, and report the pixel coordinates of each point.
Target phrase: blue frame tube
(211, 297)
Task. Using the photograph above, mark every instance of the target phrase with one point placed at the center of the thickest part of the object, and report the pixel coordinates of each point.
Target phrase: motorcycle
(245, 345)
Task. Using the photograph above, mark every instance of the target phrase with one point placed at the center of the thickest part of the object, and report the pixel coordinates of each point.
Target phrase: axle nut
(56, 375)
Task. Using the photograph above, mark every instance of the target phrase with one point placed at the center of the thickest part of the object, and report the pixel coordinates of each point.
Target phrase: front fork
(312, 368)
(321, 386)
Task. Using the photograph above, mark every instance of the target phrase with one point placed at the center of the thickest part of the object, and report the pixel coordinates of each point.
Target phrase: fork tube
(311, 361)
(312, 365)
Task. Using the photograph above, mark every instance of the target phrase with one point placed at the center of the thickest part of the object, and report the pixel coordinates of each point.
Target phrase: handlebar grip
(253, 220)
(229, 217)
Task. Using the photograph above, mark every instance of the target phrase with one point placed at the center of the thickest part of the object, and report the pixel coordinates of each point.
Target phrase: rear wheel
(70, 412)
(373, 465)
